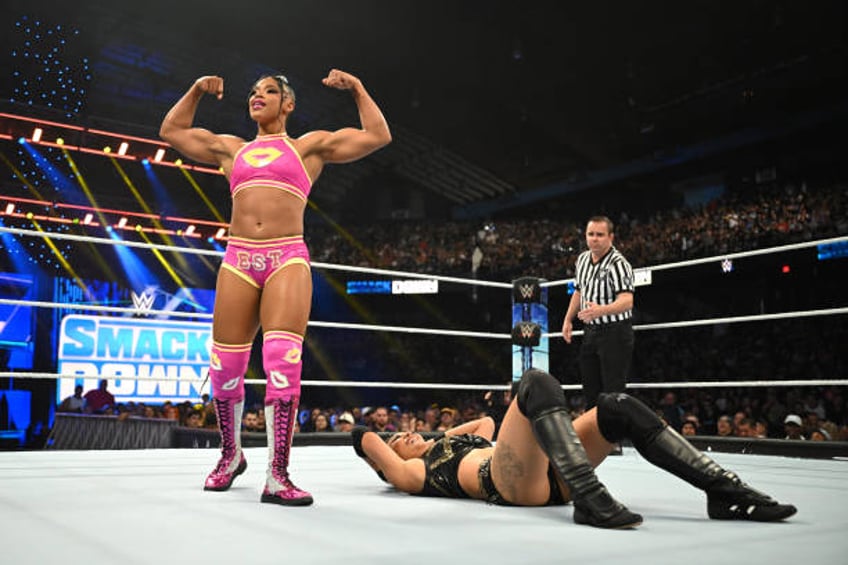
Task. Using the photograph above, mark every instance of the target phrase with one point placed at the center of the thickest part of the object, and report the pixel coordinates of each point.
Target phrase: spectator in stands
(380, 420)
(745, 428)
(394, 416)
(819, 435)
(73, 403)
(793, 426)
(169, 411)
(724, 426)
(447, 418)
(100, 400)
(250, 421)
(345, 422)
(431, 418)
(689, 428)
(194, 419)
(761, 428)
(322, 423)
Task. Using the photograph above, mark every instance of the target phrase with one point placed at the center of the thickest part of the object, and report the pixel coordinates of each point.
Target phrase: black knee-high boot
(728, 497)
(593, 504)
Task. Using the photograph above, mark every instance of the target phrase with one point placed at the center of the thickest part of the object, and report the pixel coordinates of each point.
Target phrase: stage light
(10, 208)
(29, 216)
(36, 134)
(145, 162)
(785, 269)
(122, 149)
(160, 153)
(21, 140)
(107, 149)
(178, 162)
(60, 141)
(190, 230)
(138, 227)
(88, 218)
(122, 222)
(221, 233)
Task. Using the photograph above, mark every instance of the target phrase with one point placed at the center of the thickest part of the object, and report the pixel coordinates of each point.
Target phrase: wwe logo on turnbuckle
(526, 329)
(526, 290)
(142, 303)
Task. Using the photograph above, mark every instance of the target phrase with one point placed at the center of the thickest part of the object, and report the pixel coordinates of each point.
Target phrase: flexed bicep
(196, 143)
(349, 144)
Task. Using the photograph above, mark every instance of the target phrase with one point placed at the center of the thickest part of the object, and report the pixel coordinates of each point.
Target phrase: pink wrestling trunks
(257, 260)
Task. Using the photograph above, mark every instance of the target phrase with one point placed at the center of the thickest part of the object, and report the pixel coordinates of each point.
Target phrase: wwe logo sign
(526, 334)
(142, 303)
(526, 330)
(526, 290)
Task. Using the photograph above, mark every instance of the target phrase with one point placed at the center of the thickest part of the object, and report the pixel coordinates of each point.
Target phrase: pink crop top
(270, 160)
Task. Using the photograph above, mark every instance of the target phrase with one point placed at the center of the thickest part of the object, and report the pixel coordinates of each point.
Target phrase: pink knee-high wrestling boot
(232, 462)
(280, 417)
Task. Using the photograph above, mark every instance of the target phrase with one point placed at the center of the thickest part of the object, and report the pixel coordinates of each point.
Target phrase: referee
(603, 301)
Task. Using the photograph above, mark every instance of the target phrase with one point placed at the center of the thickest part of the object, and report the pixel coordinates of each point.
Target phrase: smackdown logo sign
(172, 358)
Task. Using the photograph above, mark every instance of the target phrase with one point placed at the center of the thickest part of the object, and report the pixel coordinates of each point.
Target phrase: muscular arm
(196, 143)
(484, 427)
(407, 476)
(350, 144)
(573, 307)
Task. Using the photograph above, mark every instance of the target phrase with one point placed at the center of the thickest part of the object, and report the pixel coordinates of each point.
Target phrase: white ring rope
(730, 320)
(719, 258)
(446, 386)
(107, 241)
(166, 313)
(443, 386)
(190, 250)
(402, 329)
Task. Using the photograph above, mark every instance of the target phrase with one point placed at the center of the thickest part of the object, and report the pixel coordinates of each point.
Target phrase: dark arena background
(711, 133)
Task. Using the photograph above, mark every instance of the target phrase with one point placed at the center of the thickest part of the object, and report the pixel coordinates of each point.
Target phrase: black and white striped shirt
(600, 283)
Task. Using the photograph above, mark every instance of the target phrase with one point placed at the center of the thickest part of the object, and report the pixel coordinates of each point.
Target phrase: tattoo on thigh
(511, 470)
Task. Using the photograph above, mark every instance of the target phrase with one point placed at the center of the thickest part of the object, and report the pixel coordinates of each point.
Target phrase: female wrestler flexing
(542, 458)
(265, 278)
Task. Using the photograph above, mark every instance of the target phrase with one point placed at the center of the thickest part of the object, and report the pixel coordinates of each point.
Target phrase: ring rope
(451, 386)
(316, 323)
(729, 320)
(402, 329)
(701, 384)
(334, 266)
(714, 258)
(190, 250)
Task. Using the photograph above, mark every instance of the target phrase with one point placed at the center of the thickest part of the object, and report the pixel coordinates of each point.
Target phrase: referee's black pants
(605, 356)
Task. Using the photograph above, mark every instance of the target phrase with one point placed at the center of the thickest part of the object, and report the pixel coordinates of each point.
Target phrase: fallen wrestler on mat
(542, 457)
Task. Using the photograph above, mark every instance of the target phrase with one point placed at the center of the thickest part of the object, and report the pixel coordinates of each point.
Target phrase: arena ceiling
(492, 104)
